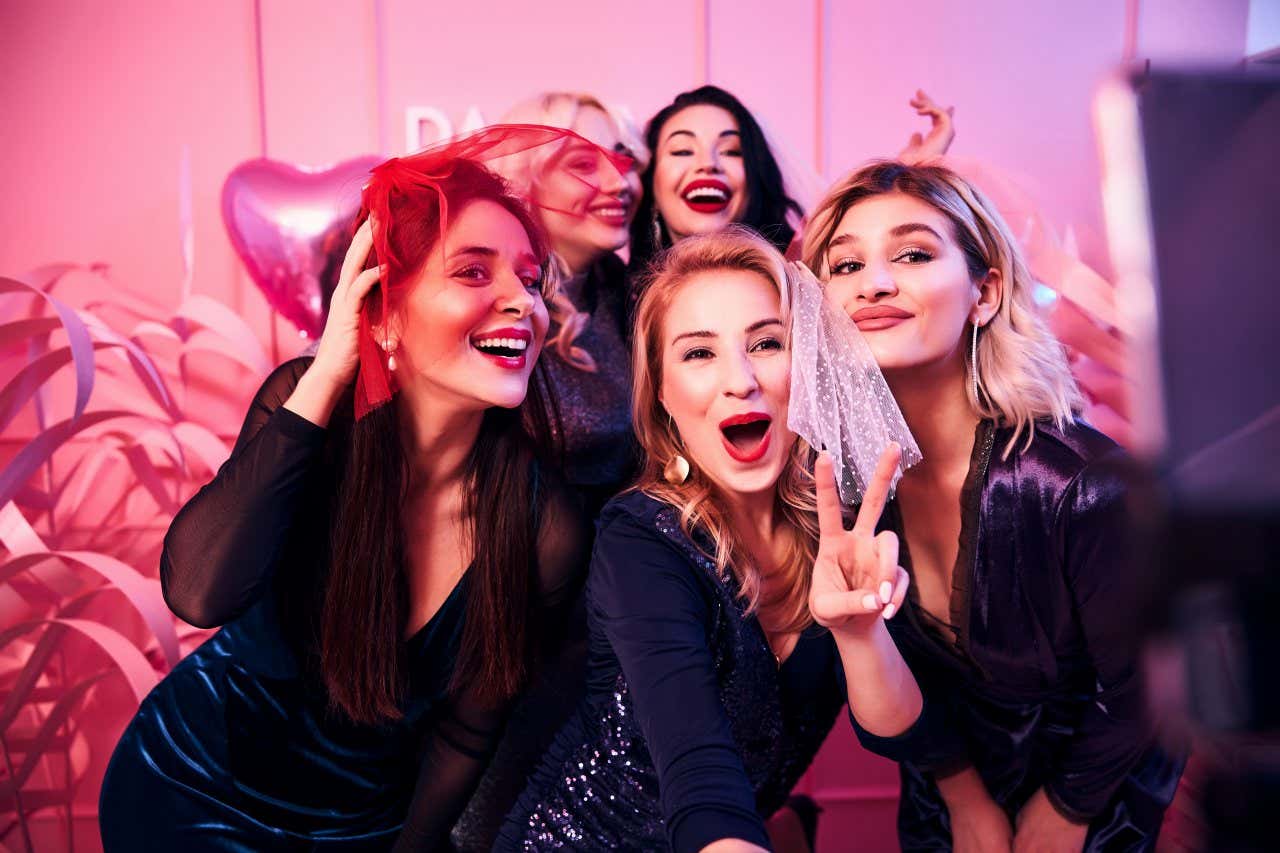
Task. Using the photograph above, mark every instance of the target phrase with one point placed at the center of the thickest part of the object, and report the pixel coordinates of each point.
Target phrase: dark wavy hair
(365, 601)
(767, 201)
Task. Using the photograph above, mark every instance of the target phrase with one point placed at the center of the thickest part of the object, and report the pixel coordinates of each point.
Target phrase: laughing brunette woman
(382, 549)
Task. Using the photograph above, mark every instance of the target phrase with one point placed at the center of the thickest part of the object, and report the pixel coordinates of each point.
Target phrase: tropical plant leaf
(77, 338)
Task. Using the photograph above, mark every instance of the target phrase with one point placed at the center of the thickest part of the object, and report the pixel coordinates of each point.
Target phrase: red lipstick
(746, 437)
(507, 348)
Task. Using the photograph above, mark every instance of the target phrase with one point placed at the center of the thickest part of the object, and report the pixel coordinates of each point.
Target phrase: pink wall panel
(320, 80)
(765, 55)
(490, 54)
(1020, 74)
(99, 102)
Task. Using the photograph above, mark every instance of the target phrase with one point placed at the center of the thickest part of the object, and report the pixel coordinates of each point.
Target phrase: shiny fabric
(595, 407)
(690, 731)
(234, 750)
(1036, 664)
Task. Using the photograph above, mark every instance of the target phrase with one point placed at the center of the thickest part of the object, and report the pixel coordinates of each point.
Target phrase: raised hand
(338, 354)
(856, 577)
(941, 130)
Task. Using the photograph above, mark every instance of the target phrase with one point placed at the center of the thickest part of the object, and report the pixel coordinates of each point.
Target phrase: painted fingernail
(889, 610)
(886, 591)
(869, 602)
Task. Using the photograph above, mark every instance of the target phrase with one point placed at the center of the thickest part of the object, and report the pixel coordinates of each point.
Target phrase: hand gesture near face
(942, 131)
(856, 577)
(338, 354)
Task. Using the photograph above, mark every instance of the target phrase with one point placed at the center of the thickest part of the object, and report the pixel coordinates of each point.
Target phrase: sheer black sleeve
(458, 747)
(221, 549)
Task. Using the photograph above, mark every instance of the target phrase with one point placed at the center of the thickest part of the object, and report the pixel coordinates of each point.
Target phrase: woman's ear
(990, 293)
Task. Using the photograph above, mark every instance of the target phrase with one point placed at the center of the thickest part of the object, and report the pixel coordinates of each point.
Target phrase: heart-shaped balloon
(291, 226)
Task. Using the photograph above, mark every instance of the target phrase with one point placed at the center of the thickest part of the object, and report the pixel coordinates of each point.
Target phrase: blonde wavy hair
(561, 109)
(697, 499)
(1023, 374)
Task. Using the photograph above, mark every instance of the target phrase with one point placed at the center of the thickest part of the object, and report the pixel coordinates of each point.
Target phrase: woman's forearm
(883, 694)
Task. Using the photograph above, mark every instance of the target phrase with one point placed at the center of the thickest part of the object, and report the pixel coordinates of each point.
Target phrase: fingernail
(869, 602)
(889, 610)
(886, 591)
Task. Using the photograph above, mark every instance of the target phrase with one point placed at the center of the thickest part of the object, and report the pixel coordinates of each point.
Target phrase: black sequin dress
(690, 732)
(1036, 664)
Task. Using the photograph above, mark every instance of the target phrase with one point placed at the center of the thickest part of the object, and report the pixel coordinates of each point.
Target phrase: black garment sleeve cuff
(1071, 813)
(295, 426)
(707, 826)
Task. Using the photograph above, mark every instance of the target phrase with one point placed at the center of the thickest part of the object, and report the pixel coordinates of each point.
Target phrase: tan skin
(895, 250)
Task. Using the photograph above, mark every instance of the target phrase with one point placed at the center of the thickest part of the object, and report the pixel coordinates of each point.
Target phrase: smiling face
(584, 202)
(699, 180)
(898, 272)
(726, 377)
(472, 324)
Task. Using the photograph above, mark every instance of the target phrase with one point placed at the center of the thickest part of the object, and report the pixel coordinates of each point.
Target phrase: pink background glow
(102, 99)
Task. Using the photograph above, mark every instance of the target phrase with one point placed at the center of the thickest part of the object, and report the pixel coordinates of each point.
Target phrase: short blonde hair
(1022, 368)
(561, 109)
(735, 248)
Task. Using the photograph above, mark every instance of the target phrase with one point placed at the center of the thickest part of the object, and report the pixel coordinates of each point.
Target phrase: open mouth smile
(506, 348)
(707, 195)
(746, 437)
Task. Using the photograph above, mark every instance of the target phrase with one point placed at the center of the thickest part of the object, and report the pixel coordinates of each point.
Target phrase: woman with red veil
(385, 552)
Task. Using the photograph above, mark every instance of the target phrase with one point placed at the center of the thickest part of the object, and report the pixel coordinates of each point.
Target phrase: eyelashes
(848, 266)
(768, 344)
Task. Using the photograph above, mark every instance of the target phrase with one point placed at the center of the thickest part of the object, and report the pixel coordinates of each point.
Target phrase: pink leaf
(77, 338)
(40, 448)
(137, 671)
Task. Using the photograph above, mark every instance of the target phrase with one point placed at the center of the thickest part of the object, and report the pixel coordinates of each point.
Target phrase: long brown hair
(735, 248)
(366, 596)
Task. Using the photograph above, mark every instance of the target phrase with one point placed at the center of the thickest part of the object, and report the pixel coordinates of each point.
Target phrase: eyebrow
(723, 134)
(898, 231)
(490, 252)
(703, 333)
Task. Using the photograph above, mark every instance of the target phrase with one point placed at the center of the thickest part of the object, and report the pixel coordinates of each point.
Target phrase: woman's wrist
(315, 396)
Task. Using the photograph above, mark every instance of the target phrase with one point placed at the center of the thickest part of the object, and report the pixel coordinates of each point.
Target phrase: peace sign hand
(856, 576)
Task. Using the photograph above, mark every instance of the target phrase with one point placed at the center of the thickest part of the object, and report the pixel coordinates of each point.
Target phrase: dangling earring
(676, 471)
(389, 348)
(657, 228)
(973, 361)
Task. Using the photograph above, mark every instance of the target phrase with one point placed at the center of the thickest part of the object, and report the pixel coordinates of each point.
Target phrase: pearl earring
(389, 347)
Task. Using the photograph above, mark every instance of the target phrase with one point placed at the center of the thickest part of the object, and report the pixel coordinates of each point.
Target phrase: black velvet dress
(1037, 666)
(690, 732)
(235, 749)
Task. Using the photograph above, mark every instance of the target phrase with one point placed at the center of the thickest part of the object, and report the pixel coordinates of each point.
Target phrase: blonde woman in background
(1011, 529)
(585, 205)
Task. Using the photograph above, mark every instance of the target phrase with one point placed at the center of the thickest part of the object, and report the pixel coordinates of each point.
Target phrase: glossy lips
(707, 195)
(746, 437)
(505, 347)
(877, 317)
